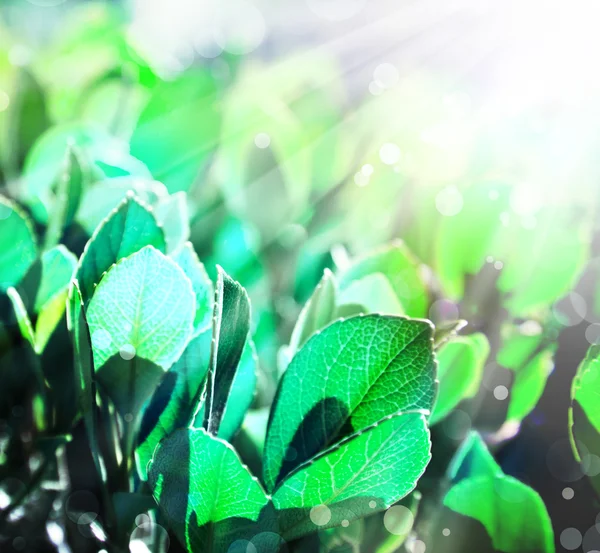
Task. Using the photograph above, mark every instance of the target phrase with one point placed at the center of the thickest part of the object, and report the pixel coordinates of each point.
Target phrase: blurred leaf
(379, 465)
(187, 474)
(397, 264)
(156, 307)
(128, 228)
(513, 514)
(21, 316)
(446, 331)
(18, 249)
(188, 260)
(357, 371)
(332, 539)
(460, 368)
(231, 324)
(172, 215)
(108, 157)
(105, 195)
(70, 186)
(318, 312)
(375, 293)
(27, 118)
(178, 129)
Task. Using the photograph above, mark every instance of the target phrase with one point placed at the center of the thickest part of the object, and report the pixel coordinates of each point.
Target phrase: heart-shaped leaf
(231, 323)
(128, 228)
(18, 248)
(365, 473)
(350, 375)
(144, 306)
(460, 367)
(208, 496)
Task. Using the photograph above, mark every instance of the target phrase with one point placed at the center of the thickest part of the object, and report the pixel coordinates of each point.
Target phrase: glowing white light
(320, 515)
(4, 100)
(386, 75)
(262, 140)
(449, 201)
(336, 10)
(389, 153)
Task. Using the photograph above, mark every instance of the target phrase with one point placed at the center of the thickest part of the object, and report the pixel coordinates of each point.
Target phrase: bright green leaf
(364, 473)
(205, 492)
(375, 293)
(350, 375)
(460, 368)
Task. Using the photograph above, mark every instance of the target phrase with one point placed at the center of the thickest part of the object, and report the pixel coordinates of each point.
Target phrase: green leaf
(128, 228)
(529, 385)
(367, 472)
(398, 265)
(104, 196)
(446, 331)
(27, 118)
(350, 375)
(472, 459)
(18, 249)
(172, 215)
(513, 514)
(58, 266)
(336, 539)
(584, 413)
(144, 306)
(68, 195)
(465, 240)
(188, 260)
(21, 316)
(204, 490)
(172, 404)
(375, 293)
(460, 368)
(178, 130)
(231, 324)
(318, 312)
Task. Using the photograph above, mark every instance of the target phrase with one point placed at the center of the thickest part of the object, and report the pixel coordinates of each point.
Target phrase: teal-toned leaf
(172, 215)
(172, 404)
(350, 375)
(143, 307)
(231, 324)
(68, 195)
(105, 195)
(205, 492)
(178, 130)
(107, 155)
(513, 514)
(473, 459)
(240, 397)
(127, 229)
(364, 473)
(58, 266)
(188, 260)
(18, 249)
(318, 312)
(460, 368)
(398, 265)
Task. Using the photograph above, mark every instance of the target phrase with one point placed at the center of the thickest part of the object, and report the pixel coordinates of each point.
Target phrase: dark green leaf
(231, 324)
